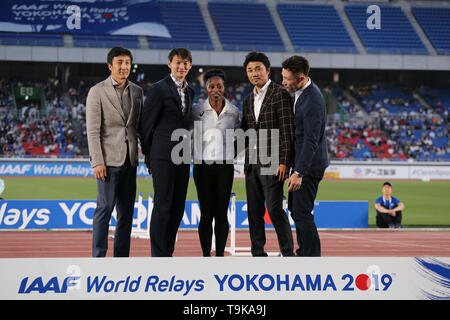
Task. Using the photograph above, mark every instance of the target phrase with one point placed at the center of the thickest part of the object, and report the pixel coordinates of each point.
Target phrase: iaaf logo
(53, 284)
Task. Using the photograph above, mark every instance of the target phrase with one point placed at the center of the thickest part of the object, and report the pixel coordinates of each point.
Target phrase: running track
(398, 243)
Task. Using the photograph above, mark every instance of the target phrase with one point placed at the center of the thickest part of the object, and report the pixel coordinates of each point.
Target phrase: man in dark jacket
(267, 111)
(311, 152)
(168, 107)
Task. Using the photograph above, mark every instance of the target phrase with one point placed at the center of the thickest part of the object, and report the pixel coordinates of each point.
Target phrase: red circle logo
(362, 282)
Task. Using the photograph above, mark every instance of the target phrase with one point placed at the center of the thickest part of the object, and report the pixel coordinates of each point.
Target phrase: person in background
(213, 165)
(389, 209)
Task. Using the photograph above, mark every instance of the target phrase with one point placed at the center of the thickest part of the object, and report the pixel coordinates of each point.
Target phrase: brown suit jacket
(107, 128)
(276, 113)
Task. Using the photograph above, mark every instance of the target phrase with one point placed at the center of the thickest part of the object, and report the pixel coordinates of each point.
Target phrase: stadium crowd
(388, 123)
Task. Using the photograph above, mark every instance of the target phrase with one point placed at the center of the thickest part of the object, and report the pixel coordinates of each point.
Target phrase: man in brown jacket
(113, 108)
(268, 111)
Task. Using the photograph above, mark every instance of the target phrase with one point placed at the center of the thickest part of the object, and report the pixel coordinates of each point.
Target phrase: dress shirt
(259, 98)
(181, 91)
(299, 92)
(124, 97)
(214, 126)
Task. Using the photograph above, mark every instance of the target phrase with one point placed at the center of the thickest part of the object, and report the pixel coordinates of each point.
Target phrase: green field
(427, 203)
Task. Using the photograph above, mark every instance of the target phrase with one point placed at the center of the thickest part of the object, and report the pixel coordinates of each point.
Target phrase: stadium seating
(187, 30)
(396, 35)
(239, 32)
(436, 24)
(31, 39)
(105, 41)
(308, 33)
(404, 119)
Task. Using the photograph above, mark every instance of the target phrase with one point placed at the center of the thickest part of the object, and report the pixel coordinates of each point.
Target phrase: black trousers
(260, 189)
(213, 183)
(385, 220)
(170, 184)
(119, 190)
(301, 205)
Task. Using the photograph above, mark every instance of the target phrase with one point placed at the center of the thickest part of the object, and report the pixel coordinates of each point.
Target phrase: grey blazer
(107, 130)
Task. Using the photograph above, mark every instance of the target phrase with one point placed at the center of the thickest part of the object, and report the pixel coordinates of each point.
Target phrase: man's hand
(392, 212)
(282, 172)
(100, 172)
(294, 182)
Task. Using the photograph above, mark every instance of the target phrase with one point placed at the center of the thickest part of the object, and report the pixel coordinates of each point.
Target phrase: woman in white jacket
(213, 161)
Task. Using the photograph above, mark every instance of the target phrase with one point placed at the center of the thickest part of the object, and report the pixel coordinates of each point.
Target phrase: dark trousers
(260, 189)
(385, 220)
(301, 205)
(170, 183)
(119, 190)
(213, 183)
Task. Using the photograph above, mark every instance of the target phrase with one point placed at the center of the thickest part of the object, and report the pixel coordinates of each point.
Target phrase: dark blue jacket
(161, 115)
(311, 150)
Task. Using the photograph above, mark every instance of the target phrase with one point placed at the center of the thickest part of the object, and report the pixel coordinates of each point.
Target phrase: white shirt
(213, 129)
(181, 90)
(299, 92)
(259, 98)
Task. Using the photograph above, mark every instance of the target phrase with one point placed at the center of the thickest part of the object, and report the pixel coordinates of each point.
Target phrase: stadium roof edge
(230, 58)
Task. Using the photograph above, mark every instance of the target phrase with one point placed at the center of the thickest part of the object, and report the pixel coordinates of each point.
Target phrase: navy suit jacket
(311, 150)
(161, 115)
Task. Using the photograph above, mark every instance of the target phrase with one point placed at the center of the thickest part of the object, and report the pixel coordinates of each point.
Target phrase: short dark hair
(214, 73)
(257, 56)
(182, 52)
(296, 65)
(118, 51)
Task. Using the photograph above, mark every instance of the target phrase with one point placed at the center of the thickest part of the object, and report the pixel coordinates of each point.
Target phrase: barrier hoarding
(78, 214)
(336, 170)
(226, 279)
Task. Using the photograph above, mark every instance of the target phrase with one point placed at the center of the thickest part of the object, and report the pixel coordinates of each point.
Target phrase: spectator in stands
(213, 171)
(389, 209)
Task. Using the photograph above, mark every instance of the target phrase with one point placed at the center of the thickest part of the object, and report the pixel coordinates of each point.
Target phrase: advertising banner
(115, 17)
(388, 171)
(78, 214)
(258, 279)
(363, 171)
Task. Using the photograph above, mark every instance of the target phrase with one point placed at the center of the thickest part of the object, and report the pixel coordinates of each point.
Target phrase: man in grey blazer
(112, 113)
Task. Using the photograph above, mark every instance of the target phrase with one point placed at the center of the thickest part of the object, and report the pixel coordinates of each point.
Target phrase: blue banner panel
(115, 17)
(78, 214)
(341, 214)
(55, 169)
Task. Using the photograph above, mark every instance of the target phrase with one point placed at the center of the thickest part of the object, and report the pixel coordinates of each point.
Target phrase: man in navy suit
(311, 152)
(168, 107)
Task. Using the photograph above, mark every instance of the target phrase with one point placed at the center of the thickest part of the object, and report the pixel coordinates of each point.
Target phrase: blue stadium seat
(238, 32)
(31, 39)
(105, 41)
(436, 24)
(308, 32)
(396, 35)
(185, 23)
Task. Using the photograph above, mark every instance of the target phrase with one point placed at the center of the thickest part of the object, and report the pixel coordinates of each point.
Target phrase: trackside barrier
(139, 231)
(233, 249)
